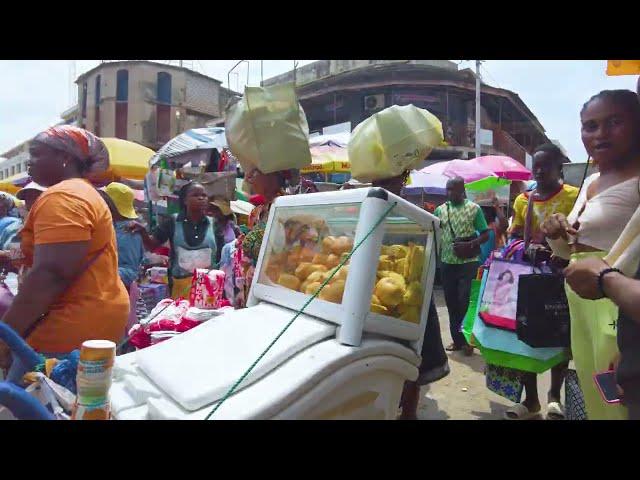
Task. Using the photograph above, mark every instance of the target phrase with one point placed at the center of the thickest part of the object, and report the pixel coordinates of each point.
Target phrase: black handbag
(542, 315)
(474, 252)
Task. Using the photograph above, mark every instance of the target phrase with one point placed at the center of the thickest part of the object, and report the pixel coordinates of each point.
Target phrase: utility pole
(478, 110)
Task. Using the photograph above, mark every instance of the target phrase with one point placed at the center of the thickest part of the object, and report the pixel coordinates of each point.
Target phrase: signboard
(338, 128)
(486, 137)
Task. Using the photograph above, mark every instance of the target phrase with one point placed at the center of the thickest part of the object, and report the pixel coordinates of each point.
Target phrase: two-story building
(348, 91)
(145, 102)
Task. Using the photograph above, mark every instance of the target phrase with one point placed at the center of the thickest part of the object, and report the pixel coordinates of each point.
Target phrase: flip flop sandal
(453, 348)
(555, 411)
(520, 412)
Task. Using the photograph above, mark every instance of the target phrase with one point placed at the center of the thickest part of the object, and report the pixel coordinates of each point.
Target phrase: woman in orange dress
(72, 292)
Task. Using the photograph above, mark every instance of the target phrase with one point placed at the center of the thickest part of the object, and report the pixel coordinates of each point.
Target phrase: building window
(26, 166)
(122, 103)
(96, 125)
(83, 112)
(1, 175)
(19, 167)
(13, 170)
(122, 86)
(163, 107)
(164, 88)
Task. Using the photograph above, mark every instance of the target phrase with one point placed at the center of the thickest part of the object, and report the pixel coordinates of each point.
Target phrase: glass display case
(309, 240)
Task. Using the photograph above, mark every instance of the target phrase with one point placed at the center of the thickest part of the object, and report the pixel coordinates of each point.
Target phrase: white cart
(346, 357)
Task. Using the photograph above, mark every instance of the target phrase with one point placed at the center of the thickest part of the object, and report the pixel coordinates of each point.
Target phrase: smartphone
(606, 383)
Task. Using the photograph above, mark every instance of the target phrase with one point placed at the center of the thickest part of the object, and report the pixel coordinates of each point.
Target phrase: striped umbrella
(192, 142)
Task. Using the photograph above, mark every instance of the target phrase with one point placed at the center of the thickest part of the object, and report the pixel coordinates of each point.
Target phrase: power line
(491, 76)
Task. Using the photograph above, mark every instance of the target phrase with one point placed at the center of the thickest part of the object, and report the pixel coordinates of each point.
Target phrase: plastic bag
(207, 288)
(267, 129)
(166, 182)
(392, 141)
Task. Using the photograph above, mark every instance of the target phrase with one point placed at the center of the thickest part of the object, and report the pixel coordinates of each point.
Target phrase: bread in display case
(309, 238)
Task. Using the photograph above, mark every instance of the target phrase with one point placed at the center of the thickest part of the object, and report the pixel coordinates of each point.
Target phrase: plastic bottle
(94, 380)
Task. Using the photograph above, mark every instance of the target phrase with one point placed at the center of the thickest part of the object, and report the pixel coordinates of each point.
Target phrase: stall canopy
(128, 159)
(192, 146)
(14, 183)
(329, 154)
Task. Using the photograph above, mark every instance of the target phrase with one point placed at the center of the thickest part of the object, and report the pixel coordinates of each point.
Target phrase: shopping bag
(498, 306)
(575, 407)
(472, 311)
(267, 129)
(393, 141)
(504, 381)
(542, 318)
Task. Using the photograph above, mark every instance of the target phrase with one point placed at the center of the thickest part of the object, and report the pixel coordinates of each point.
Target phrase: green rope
(298, 313)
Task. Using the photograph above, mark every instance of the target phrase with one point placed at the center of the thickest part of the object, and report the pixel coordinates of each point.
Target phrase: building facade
(348, 91)
(145, 102)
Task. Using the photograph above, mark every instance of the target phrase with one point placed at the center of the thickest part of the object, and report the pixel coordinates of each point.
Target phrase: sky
(33, 94)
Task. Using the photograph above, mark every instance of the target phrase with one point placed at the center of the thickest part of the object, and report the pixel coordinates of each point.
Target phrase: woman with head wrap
(240, 257)
(72, 292)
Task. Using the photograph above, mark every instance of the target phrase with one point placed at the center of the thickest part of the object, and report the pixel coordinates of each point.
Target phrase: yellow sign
(623, 67)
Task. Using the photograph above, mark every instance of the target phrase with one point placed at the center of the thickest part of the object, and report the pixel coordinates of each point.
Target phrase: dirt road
(462, 395)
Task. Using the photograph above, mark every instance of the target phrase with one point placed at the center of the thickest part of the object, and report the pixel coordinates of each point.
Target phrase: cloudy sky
(34, 93)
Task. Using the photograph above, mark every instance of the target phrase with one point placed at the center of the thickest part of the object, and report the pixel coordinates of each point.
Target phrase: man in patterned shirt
(462, 223)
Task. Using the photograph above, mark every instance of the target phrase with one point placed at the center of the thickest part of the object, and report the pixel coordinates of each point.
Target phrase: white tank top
(606, 214)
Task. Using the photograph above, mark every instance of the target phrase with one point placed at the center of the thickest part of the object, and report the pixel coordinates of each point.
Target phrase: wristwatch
(601, 276)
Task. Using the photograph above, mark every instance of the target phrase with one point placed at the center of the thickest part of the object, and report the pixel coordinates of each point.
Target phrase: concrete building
(148, 102)
(137, 100)
(346, 92)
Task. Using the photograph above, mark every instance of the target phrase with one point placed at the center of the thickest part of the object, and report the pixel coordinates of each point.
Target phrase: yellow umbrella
(127, 159)
(14, 183)
(623, 67)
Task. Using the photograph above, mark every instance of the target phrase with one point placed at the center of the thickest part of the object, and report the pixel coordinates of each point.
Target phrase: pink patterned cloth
(207, 288)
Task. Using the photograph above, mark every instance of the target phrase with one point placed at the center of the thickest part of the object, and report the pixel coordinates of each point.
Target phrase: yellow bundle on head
(393, 141)
(267, 129)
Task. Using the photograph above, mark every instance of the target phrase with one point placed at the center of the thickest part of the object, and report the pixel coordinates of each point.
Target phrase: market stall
(367, 241)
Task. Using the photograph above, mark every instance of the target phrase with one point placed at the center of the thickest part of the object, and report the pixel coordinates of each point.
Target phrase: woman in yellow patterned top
(550, 196)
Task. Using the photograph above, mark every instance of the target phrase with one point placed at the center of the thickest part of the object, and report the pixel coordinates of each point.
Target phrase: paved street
(463, 395)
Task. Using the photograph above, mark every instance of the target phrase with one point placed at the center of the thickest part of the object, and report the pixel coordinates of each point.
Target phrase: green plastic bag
(392, 141)
(267, 129)
(472, 313)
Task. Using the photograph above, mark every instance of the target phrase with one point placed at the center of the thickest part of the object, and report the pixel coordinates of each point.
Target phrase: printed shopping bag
(575, 407)
(505, 382)
(542, 318)
(499, 302)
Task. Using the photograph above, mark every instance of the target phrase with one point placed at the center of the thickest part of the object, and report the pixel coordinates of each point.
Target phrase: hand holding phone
(607, 386)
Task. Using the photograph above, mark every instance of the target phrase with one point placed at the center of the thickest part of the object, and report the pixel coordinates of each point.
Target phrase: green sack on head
(267, 129)
(393, 141)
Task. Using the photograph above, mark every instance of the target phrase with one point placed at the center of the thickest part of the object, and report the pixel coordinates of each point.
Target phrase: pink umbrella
(505, 167)
(469, 171)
